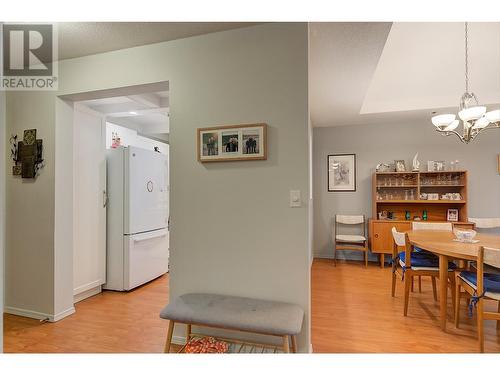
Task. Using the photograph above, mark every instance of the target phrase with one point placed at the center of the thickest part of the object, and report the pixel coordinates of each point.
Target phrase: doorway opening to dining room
(380, 166)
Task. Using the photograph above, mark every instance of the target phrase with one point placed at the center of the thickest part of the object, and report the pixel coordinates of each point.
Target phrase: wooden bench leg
(188, 332)
(294, 344)
(286, 347)
(170, 332)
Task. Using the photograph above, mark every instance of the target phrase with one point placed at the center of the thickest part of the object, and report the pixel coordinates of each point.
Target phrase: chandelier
(474, 117)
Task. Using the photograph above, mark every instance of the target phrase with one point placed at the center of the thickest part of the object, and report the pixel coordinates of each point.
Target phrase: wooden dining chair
(486, 222)
(478, 286)
(428, 225)
(356, 242)
(412, 264)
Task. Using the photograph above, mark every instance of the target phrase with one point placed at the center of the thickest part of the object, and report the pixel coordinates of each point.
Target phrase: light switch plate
(295, 200)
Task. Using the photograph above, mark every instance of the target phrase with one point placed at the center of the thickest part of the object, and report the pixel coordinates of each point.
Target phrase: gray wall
(3, 146)
(232, 229)
(373, 144)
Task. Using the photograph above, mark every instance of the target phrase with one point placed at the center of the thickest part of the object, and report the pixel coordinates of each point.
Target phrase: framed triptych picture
(342, 172)
(232, 143)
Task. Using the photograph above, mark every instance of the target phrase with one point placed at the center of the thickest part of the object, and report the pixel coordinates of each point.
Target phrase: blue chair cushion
(425, 259)
(491, 281)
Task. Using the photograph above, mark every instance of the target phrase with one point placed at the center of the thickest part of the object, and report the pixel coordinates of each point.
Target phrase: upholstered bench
(235, 313)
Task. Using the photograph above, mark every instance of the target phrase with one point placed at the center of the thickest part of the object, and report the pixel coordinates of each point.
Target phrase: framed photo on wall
(341, 172)
(232, 143)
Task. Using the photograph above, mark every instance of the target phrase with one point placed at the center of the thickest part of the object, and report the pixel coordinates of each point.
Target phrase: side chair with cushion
(357, 242)
(414, 263)
(428, 225)
(478, 286)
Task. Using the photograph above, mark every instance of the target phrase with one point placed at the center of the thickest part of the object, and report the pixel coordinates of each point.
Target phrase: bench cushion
(238, 313)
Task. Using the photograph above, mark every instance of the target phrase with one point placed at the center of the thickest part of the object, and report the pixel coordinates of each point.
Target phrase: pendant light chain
(466, 57)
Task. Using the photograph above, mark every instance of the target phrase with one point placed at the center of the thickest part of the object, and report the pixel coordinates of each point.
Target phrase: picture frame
(436, 165)
(341, 172)
(452, 214)
(400, 165)
(232, 143)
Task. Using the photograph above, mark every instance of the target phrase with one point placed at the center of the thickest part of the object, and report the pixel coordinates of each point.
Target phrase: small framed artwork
(232, 143)
(452, 214)
(341, 172)
(400, 165)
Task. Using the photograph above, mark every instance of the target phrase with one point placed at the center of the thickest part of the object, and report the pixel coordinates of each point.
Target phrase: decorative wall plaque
(27, 154)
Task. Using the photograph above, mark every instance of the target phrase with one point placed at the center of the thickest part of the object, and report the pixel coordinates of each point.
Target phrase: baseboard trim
(88, 286)
(37, 314)
(87, 294)
(63, 314)
(27, 313)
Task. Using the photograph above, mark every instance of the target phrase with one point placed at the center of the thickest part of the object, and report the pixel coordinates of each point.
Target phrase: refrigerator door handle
(149, 236)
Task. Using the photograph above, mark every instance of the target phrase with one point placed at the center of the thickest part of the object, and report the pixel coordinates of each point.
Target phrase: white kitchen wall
(232, 230)
(129, 137)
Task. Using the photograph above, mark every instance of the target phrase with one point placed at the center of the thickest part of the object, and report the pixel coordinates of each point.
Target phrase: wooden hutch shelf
(402, 193)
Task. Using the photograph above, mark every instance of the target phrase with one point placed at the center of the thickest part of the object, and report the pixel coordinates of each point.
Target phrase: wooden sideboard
(380, 234)
(400, 193)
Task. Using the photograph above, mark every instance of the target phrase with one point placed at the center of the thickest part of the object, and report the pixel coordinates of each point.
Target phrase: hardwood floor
(352, 311)
(111, 322)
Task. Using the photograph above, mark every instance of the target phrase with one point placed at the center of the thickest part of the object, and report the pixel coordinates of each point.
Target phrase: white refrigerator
(137, 217)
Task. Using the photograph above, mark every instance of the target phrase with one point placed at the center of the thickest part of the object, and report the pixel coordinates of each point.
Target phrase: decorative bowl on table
(465, 235)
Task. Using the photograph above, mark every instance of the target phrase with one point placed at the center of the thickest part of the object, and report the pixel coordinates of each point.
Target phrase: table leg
(382, 260)
(443, 288)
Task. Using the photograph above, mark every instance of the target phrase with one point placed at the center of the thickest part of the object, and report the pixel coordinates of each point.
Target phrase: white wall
(374, 144)
(129, 137)
(231, 227)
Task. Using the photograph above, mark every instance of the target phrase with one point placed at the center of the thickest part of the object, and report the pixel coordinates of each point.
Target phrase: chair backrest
(486, 222)
(399, 238)
(350, 219)
(426, 225)
(492, 257)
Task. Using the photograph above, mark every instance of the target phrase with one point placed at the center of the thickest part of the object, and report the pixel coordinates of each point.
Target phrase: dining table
(445, 245)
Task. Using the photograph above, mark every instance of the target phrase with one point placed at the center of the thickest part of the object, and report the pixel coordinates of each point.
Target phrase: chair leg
(412, 284)
(420, 284)
(286, 347)
(366, 258)
(393, 289)
(453, 286)
(335, 255)
(170, 332)
(498, 321)
(480, 325)
(457, 304)
(408, 281)
(434, 290)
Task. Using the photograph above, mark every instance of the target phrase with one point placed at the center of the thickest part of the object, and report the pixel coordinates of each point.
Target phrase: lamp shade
(493, 116)
(472, 113)
(452, 126)
(481, 123)
(443, 120)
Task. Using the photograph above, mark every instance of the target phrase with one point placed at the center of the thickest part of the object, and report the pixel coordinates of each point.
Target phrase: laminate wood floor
(352, 311)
